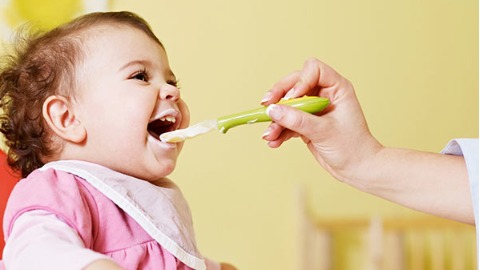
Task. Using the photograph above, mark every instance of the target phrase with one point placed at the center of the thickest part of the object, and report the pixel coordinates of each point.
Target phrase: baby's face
(126, 98)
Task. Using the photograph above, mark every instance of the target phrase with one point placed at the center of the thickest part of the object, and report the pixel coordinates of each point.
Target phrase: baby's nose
(170, 92)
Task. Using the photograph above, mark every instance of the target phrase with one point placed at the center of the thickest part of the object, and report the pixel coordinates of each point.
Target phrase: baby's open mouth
(161, 125)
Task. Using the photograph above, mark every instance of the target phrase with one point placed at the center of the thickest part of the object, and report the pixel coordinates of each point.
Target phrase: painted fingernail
(274, 111)
(290, 94)
(267, 97)
(266, 133)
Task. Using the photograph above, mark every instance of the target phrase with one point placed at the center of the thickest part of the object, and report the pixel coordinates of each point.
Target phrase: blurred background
(414, 65)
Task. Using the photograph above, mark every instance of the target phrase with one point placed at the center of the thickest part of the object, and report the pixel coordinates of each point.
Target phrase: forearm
(38, 237)
(428, 182)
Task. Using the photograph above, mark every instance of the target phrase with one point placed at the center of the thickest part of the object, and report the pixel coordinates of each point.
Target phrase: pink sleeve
(43, 241)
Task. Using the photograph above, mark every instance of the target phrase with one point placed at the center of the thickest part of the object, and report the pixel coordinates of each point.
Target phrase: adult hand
(341, 142)
(338, 137)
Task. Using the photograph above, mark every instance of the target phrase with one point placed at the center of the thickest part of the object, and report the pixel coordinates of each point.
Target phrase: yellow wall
(414, 65)
(415, 68)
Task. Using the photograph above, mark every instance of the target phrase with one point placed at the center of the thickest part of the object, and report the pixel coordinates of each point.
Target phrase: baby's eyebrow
(135, 62)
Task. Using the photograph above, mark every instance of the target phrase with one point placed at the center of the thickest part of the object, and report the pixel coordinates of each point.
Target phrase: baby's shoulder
(55, 191)
(50, 183)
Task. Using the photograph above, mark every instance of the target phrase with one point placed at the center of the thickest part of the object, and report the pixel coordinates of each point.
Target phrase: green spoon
(308, 104)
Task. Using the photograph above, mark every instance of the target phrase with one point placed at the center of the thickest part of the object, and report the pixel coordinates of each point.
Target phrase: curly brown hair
(44, 64)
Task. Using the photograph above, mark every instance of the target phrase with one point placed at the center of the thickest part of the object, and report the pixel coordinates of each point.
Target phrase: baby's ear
(62, 120)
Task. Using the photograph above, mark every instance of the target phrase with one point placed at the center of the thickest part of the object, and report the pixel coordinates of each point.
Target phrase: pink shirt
(137, 224)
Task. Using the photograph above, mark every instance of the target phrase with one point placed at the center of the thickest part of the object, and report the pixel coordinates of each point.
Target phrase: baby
(84, 105)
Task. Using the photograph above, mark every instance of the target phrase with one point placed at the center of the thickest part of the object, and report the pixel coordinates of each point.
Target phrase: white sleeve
(39, 240)
(469, 149)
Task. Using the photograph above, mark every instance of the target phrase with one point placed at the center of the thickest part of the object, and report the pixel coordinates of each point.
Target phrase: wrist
(362, 167)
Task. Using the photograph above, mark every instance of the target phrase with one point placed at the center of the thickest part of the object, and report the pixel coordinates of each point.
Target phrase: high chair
(7, 180)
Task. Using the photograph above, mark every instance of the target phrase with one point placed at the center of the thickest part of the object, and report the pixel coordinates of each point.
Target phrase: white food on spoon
(181, 135)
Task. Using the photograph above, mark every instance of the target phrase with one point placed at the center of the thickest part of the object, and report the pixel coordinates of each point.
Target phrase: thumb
(301, 122)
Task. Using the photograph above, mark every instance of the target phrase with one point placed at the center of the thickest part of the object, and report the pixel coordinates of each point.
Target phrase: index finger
(314, 76)
(281, 88)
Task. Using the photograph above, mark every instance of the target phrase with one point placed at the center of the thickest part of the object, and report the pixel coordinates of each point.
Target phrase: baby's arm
(39, 240)
(213, 265)
(226, 266)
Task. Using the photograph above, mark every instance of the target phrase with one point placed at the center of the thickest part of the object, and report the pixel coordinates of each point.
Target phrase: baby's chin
(155, 173)
(152, 176)
(164, 182)
(155, 178)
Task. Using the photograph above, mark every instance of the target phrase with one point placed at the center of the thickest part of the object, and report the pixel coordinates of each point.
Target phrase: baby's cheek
(182, 106)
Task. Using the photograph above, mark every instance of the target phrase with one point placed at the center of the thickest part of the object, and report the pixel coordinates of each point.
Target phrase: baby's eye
(141, 75)
(173, 82)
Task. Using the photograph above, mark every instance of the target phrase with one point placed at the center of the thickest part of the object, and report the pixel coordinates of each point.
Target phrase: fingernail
(274, 111)
(267, 97)
(266, 133)
(290, 94)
